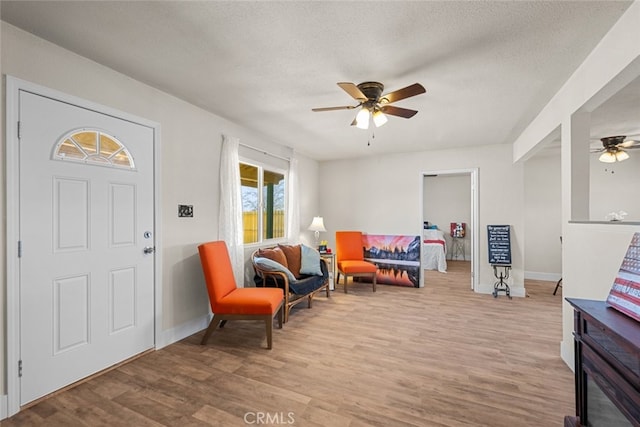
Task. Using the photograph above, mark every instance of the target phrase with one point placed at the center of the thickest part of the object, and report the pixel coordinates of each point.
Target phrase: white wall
(381, 195)
(543, 217)
(614, 187)
(190, 150)
(447, 199)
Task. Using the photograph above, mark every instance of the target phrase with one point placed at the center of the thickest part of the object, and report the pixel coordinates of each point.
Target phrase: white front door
(86, 283)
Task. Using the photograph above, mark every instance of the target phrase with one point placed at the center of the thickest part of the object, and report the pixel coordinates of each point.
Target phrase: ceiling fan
(374, 104)
(614, 148)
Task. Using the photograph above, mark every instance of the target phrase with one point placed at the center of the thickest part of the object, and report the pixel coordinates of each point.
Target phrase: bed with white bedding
(434, 250)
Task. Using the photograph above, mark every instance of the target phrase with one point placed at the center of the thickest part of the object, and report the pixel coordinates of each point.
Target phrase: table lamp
(317, 225)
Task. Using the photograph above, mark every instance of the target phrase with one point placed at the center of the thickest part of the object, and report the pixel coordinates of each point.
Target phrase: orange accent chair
(228, 302)
(350, 258)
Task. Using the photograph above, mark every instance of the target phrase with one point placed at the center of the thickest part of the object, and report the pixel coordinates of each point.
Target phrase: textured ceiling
(488, 67)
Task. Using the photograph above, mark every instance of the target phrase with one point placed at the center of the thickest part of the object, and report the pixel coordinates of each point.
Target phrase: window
(263, 203)
(93, 147)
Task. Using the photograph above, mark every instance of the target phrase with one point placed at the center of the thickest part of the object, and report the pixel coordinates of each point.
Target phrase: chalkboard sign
(499, 244)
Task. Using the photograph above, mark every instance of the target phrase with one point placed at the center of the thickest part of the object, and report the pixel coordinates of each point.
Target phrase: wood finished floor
(435, 356)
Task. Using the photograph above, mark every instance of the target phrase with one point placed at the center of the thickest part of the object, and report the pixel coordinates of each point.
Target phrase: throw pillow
(292, 252)
(271, 265)
(274, 254)
(310, 262)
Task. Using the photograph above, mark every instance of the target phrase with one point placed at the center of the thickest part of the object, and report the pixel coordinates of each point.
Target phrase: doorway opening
(449, 210)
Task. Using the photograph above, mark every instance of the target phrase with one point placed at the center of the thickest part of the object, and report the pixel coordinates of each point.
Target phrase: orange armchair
(350, 258)
(228, 302)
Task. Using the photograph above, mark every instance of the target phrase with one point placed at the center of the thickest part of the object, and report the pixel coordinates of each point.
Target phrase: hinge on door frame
(19, 368)
(19, 248)
(19, 129)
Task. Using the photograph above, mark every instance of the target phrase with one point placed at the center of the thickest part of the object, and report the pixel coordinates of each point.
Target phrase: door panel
(122, 299)
(122, 215)
(70, 313)
(70, 214)
(86, 287)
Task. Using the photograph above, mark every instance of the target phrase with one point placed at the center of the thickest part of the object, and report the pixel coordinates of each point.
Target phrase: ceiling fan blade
(596, 150)
(409, 91)
(345, 107)
(353, 91)
(630, 144)
(397, 111)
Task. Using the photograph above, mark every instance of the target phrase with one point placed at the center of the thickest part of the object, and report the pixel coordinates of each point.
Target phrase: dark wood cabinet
(607, 366)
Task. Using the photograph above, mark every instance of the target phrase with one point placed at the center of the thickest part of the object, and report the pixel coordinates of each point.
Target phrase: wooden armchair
(350, 258)
(228, 302)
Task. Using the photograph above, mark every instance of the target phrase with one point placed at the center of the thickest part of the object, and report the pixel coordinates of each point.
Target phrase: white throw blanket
(434, 250)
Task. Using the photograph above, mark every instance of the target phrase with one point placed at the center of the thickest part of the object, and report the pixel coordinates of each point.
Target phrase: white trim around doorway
(475, 233)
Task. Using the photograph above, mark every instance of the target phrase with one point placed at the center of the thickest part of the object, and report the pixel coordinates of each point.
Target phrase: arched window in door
(92, 146)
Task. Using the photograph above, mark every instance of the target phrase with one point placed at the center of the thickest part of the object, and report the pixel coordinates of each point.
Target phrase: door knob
(149, 249)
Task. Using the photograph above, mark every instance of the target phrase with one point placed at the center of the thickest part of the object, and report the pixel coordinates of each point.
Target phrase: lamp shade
(379, 118)
(607, 157)
(613, 156)
(362, 118)
(621, 155)
(317, 224)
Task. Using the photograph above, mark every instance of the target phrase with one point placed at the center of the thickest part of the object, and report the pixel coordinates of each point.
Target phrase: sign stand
(501, 285)
(500, 257)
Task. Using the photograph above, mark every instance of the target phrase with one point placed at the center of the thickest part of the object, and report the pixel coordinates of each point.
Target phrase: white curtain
(293, 217)
(230, 222)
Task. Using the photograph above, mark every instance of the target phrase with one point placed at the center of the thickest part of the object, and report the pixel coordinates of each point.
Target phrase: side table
(330, 258)
(457, 247)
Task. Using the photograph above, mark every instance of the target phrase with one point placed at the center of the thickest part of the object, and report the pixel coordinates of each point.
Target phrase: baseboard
(180, 332)
(3, 407)
(537, 275)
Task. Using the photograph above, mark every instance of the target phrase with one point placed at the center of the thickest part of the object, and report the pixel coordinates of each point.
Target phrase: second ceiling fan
(614, 148)
(374, 104)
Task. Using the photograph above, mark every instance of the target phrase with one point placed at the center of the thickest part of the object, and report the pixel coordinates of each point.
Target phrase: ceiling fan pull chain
(373, 136)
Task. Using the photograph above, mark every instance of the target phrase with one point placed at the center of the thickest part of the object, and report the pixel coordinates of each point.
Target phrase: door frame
(475, 233)
(12, 93)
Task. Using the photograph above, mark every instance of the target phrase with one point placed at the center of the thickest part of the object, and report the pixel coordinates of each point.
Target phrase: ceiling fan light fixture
(362, 118)
(621, 155)
(612, 156)
(614, 148)
(607, 157)
(379, 118)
